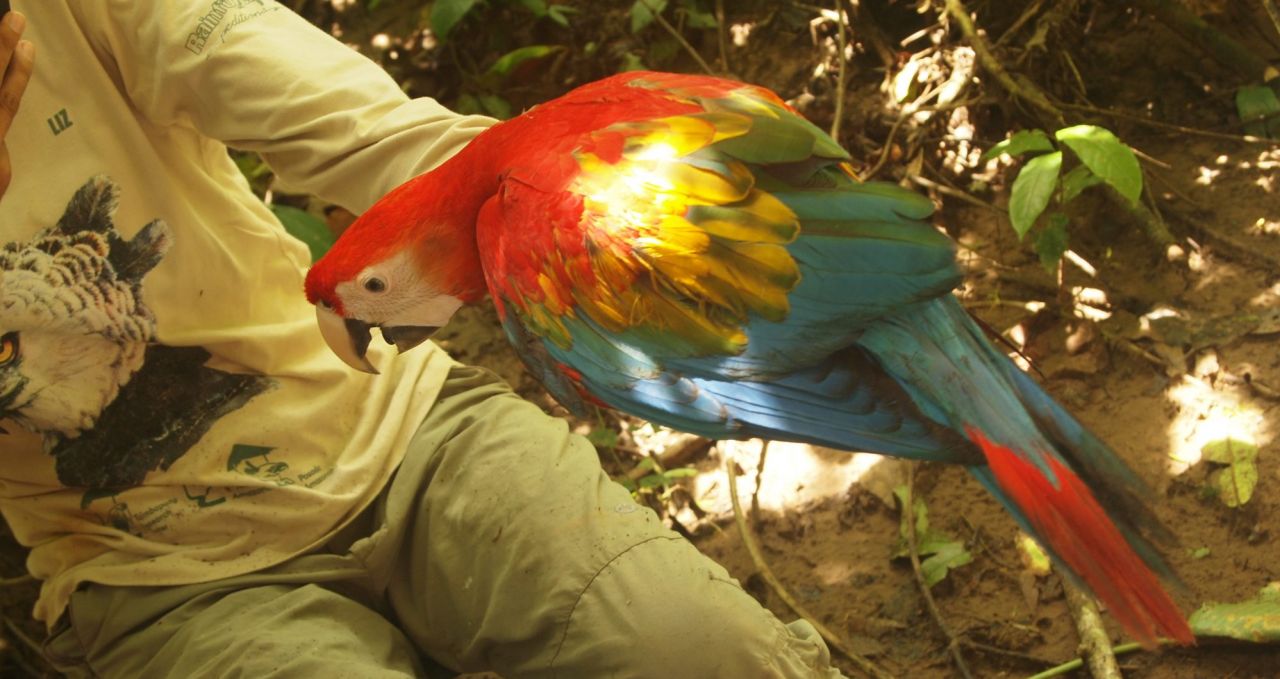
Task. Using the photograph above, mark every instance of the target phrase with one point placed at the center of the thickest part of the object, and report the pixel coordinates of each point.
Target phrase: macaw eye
(8, 348)
(374, 284)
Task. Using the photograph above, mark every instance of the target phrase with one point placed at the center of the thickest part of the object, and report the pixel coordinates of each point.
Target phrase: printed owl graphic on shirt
(78, 362)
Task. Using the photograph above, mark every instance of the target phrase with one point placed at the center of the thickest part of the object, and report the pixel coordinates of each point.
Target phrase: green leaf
(1033, 555)
(495, 106)
(652, 481)
(950, 555)
(1106, 156)
(631, 62)
(1021, 142)
(1032, 190)
(1235, 484)
(1200, 553)
(467, 104)
(538, 7)
(1256, 620)
(928, 541)
(509, 61)
(921, 514)
(603, 438)
(695, 18)
(307, 228)
(1052, 241)
(680, 473)
(445, 14)
(1077, 180)
(560, 14)
(1254, 103)
(642, 13)
(1229, 451)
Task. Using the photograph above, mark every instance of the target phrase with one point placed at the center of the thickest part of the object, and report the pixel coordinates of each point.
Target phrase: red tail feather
(1079, 532)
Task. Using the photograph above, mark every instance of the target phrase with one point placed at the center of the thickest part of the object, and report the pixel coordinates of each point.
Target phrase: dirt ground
(1165, 362)
(1166, 368)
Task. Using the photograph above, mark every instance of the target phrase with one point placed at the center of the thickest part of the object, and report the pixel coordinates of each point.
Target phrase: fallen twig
(953, 641)
(842, 76)
(757, 558)
(1143, 120)
(657, 16)
(954, 193)
(721, 37)
(1227, 245)
(1095, 646)
(1246, 63)
(1273, 12)
(1034, 97)
(1073, 665)
(755, 492)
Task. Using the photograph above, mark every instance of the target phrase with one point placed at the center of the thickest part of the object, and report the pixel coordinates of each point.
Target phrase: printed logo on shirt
(59, 122)
(79, 363)
(218, 11)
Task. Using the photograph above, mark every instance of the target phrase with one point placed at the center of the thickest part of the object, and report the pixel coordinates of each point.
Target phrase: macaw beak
(346, 337)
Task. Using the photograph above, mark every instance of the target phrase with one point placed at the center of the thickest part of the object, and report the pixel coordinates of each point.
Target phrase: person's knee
(663, 609)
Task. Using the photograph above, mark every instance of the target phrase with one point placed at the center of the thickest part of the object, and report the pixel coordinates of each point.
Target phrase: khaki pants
(500, 545)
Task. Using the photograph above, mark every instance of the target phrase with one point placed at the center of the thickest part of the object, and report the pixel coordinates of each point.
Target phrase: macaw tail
(1078, 531)
(1061, 483)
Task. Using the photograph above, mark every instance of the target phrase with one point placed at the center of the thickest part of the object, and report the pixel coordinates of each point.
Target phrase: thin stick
(721, 37)
(17, 580)
(888, 146)
(657, 16)
(1125, 115)
(1032, 96)
(1029, 12)
(1073, 665)
(757, 558)
(954, 193)
(1095, 646)
(953, 642)
(1273, 12)
(840, 77)
(755, 494)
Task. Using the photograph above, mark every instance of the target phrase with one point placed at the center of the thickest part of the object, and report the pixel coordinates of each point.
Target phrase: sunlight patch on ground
(1206, 415)
(795, 474)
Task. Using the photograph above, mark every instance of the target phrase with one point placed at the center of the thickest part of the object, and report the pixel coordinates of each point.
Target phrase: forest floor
(1158, 353)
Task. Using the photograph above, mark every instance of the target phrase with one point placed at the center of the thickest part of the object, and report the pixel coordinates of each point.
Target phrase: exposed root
(757, 558)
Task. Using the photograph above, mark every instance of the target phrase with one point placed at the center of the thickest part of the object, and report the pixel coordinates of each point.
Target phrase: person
(205, 490)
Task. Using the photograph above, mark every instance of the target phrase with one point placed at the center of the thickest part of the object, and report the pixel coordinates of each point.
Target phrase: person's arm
(16, 59)
(256, 76)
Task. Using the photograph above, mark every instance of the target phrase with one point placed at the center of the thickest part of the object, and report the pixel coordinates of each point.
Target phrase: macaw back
(691, 251)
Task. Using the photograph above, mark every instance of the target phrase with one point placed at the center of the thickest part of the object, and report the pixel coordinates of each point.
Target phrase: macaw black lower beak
(346, 337)
(406, 337)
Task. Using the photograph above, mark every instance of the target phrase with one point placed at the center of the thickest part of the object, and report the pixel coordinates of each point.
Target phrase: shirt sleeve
(258, 77)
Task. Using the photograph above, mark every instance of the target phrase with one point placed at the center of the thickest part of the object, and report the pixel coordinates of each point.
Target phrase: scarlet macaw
(689, 250)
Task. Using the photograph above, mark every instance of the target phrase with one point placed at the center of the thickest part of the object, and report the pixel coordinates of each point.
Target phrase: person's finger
(11, 27)
(15, 83)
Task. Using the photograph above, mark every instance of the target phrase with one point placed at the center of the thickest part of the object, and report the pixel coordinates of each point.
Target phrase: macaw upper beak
(347, 337)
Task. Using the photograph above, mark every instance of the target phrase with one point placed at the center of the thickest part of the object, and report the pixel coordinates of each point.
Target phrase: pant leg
(233, 628)
(521, 556)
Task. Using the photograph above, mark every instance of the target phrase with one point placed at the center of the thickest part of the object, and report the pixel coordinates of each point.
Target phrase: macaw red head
(405, 266)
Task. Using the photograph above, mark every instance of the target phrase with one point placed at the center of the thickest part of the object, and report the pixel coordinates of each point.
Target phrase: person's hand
(16, 58)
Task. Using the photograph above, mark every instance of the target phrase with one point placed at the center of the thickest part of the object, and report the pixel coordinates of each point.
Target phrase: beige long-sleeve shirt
(172, 414)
